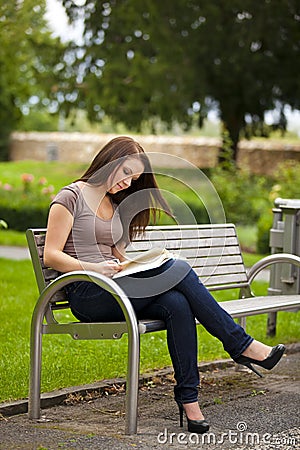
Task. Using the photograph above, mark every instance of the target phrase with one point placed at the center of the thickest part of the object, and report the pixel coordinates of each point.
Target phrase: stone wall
(263, 157)
(260, 158)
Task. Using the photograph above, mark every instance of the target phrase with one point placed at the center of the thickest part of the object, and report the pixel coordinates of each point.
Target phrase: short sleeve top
(91, 238)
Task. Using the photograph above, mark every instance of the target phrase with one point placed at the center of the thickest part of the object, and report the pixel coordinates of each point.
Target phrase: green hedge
(245, 197)
(189, 211)
(27, 215)
(26, 205)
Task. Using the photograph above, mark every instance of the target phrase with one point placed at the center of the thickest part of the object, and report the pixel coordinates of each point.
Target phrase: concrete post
(284, 238)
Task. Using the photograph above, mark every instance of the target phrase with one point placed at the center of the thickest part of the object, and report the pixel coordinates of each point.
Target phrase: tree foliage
(177, 59)
(31, 64)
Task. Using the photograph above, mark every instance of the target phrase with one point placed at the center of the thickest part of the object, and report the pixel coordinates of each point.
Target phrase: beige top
(91, 238)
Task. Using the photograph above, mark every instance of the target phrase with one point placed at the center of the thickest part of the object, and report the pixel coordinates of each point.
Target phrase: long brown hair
(109, 159)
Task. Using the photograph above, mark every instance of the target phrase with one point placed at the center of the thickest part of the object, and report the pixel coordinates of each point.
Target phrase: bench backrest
(212, 250)
(43, 275)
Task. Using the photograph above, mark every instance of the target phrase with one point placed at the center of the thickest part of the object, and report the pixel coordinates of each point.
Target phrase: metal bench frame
(214, 253)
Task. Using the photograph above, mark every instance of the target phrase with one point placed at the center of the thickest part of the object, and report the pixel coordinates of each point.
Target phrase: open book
(149, 259)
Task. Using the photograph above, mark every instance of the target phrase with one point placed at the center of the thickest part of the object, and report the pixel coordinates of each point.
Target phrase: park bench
(214, 253)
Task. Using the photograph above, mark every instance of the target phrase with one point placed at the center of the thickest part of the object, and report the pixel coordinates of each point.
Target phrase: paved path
(13, 252)
(245, 413)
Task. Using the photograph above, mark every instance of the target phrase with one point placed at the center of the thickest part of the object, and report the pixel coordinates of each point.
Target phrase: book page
(146, 260)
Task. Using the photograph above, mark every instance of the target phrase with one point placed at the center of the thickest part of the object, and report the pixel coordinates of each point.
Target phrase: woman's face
(122, 178)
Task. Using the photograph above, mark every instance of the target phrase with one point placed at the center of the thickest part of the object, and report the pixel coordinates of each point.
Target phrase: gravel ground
(245, 412)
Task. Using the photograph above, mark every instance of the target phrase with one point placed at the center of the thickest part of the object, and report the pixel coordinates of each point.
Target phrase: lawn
(67, 362)
(58, 174)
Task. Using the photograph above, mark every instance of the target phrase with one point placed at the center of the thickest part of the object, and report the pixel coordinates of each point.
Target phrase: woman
(91, 222)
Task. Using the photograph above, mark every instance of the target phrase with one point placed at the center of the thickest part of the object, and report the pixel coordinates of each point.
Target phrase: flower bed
(26, 205)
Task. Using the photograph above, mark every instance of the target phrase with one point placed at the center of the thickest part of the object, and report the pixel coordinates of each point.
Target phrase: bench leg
(271, 325)
(242, 322)
(34, 401)
(132, 384)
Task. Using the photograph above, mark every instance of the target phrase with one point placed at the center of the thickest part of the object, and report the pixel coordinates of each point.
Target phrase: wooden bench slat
(261, 305)
(156, 235)
(219, 280)
(217, 260)
(194, 226)
(203, 252)
(40, 250)
(215, 251)
(220, 270)
(238, 308)
(50, 274)
(40, 239)
(185, 244)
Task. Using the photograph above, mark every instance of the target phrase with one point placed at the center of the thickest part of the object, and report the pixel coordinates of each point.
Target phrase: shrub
(244, 196)
(26, 206)
(286, 184)
(287, 180)
(263, 232)
(189, 210)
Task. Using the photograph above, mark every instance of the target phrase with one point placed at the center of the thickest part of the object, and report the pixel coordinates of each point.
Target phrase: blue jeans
(177, 306)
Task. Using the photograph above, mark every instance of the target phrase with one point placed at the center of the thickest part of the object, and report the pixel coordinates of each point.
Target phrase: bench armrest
(70, 277)
(133, 340)
(269, 260)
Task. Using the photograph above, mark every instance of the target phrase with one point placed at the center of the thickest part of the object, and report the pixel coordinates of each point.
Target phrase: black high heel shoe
(268, 363)
(194, 426)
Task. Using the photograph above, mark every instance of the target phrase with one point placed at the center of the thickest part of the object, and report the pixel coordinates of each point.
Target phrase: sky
(58, 22)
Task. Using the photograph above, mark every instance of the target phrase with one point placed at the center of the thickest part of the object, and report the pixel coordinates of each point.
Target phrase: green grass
(57, 173)
(67, 362)
(247, 235)
(11, 237)
(251, 258)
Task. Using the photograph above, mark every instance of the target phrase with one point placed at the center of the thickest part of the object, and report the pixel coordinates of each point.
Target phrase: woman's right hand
(108, 268)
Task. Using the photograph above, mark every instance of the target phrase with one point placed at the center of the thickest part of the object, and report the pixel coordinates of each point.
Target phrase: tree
(31, 64)
(179, 58)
